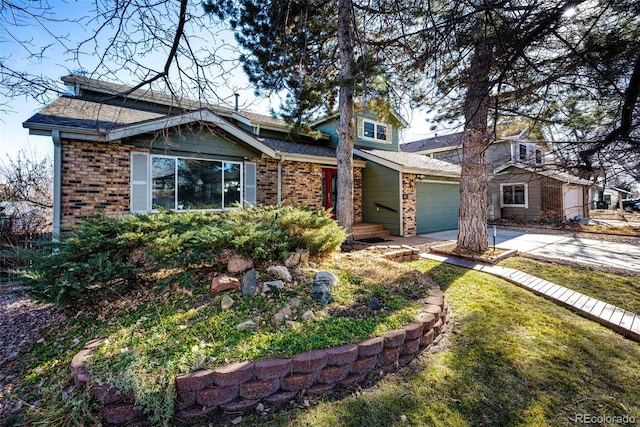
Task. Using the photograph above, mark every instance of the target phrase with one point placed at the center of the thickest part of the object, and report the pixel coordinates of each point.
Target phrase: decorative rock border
(242, 386)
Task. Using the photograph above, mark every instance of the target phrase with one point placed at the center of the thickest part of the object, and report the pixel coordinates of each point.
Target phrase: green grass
(621, 291)
(510, 358)
(153, 335)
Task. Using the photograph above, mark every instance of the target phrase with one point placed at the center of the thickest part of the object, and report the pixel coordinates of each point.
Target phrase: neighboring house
(524, 184)
(145, 152)
(607, 197)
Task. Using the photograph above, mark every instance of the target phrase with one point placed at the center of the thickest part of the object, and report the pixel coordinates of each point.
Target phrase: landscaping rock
(322, 284)
(238, 264)
(374, 304)
(281, 272)
(300, 257)
(249, 283)
(293, 260)
(308, 315)
(327, 277)
(267, 286)
(293, 325)
(249, 324)
(227, 302)
(294, 302)
(304, 256)
(223, 283)
(283, 313)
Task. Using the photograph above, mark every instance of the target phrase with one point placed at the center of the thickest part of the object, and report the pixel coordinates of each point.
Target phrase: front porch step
(369, 231)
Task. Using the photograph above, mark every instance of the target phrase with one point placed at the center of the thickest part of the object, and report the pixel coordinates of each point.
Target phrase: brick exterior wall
(357, 195)
(95, 177)
(301, 184)
(551, 209)
(267, 177)
(409, 205)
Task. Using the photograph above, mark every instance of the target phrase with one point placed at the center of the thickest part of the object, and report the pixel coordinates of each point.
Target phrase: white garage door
(572, 202)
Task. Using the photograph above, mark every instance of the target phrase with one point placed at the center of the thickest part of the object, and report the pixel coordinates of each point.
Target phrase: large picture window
(514, 195)
(179, 183)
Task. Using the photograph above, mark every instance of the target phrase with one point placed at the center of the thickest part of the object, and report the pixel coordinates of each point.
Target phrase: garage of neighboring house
(437, 206)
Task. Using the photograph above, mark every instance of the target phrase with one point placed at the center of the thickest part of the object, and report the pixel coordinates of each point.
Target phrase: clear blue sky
(13, 137)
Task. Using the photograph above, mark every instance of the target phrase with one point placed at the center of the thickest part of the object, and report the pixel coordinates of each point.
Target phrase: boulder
(322, 284)
(278, 284)
(280, 272)
(283, 313)
(226, 302)
(248, 324)
(249, 283)
(223, 283)
(238, 264)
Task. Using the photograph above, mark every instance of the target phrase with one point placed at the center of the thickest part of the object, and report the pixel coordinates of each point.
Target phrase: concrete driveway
(598, 252)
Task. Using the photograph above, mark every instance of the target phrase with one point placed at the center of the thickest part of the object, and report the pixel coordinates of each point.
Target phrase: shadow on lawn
(509, 358)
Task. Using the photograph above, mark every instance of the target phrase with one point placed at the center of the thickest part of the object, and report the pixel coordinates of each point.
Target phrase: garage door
(437, 207)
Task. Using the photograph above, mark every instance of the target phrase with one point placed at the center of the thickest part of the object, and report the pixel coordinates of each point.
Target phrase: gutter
(57, 184)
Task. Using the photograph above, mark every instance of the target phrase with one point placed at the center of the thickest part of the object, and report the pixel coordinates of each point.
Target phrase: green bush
(104, 253)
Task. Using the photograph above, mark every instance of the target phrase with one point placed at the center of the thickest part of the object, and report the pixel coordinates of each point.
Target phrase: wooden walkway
(616, 318)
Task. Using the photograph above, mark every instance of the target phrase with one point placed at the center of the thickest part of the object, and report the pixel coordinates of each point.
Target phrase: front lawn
(509, 358)
(512, 359)
(621, 291)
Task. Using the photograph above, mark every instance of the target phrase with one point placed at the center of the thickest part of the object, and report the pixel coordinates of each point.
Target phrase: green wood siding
(330, 127)
(381, 185)
(203, 145)
(437, 206)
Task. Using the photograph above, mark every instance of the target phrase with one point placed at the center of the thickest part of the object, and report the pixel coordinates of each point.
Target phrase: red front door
(329, 189)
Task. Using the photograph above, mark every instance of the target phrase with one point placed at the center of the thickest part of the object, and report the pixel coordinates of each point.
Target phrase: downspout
(401, 210)
(57, 184)
(279, 179)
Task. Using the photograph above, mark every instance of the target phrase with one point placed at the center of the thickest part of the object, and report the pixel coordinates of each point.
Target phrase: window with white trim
(184, 183)
(373, 131)
(514, 195)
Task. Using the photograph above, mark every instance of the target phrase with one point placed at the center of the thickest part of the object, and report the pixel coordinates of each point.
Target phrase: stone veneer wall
(409, 205)
(241, 386)
(301, 184)
(95, 177)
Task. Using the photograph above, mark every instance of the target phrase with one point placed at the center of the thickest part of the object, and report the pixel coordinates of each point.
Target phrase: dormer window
(373, 131)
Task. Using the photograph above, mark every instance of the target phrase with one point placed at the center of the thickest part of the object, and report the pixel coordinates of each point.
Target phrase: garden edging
(242, 386)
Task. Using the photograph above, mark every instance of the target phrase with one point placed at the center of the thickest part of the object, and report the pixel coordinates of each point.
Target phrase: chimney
(237, 95)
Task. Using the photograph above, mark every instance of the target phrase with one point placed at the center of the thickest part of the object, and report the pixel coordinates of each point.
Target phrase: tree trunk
(472, 222)
(344, 151)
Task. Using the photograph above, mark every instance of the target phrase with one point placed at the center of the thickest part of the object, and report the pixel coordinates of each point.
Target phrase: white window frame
(530, 155)
(388, 133)
(149, 183)
(513, 205)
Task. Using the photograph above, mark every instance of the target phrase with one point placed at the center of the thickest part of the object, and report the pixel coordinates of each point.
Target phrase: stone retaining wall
(242, 386)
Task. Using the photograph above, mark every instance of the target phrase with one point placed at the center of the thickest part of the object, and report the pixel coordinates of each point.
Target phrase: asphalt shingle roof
(428, 164)
(438, 142)
(83, 114)
(298, 148)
